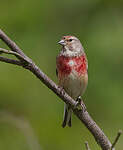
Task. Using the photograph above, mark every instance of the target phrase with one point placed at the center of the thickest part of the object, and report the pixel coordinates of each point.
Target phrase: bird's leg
(79, 100)
(80, 104)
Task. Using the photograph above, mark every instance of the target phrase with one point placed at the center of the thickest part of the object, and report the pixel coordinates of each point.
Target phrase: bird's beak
(61, 42)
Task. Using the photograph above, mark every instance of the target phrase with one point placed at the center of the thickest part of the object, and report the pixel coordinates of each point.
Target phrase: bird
(72, 71)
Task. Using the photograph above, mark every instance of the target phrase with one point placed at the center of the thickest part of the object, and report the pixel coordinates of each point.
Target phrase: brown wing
(56, 67)
(56, 72)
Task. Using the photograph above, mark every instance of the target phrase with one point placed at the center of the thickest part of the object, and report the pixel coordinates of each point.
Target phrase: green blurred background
(37, 26)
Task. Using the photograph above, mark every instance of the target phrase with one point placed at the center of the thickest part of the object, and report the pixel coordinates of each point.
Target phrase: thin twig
(116, 139)
(84, 116)
(13, 53)
(87, 146)
(12, 45)
(10, 61)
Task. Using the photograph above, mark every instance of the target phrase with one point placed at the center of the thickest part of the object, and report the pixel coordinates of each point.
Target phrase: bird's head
(71, 45)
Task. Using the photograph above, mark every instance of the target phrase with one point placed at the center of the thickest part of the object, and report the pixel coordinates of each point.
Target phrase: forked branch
(28, 64)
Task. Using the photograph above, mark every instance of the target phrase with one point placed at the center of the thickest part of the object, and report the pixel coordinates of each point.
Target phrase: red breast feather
(64, 68)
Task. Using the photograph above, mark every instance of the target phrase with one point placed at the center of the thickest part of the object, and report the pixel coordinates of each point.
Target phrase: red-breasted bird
(71, 67)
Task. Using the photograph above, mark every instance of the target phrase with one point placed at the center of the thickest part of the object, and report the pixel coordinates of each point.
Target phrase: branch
(116, 139)
(13, 53)
(87, 146)
(11, 44)
(84, 116)
(11, 61)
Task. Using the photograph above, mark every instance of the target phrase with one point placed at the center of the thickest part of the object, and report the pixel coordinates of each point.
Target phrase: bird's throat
(69, 53)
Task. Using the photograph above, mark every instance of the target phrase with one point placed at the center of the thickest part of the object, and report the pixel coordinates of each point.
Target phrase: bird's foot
(62, 91)
(80, 104)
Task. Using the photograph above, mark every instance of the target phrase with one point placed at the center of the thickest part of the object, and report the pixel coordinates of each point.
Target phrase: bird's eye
(70, 40)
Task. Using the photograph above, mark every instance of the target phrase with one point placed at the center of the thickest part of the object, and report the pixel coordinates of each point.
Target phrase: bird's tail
(67, 116)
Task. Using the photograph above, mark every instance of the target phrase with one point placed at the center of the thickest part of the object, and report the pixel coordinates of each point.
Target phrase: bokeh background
(37, 26)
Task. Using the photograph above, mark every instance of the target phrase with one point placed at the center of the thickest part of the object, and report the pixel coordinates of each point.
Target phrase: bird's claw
(80, 105)
(62, 91)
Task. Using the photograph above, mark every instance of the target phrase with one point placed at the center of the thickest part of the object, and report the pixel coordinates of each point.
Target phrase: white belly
(75, 85)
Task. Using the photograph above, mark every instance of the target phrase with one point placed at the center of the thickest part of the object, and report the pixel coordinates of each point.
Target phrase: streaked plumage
(72, 68)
